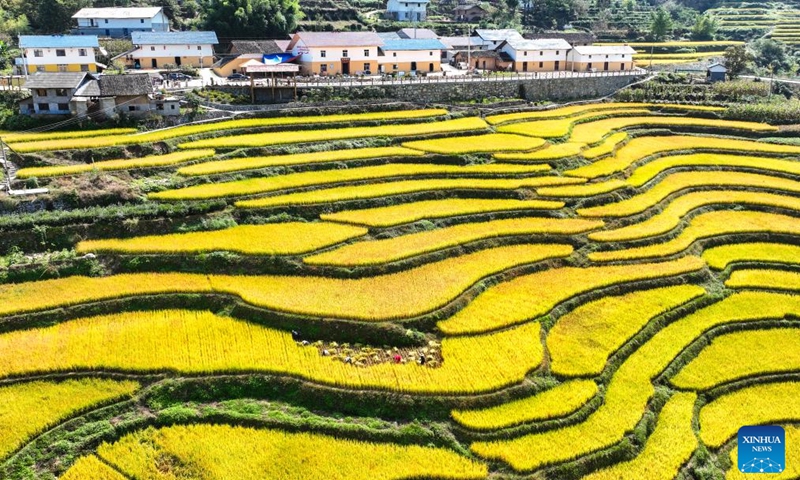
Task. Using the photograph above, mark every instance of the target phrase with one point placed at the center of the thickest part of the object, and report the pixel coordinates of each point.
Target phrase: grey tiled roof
(174, 38)
(55, 80)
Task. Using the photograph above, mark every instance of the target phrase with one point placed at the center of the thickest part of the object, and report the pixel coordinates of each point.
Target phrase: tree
(772, 54)
(661, 24)
(704, 28)
(548, 14)
(55, 16)
(250, 18)
(737, 59)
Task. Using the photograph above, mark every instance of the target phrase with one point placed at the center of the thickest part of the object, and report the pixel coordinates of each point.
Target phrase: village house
(492, 39)
(51, 93)
(133, 95)
(470, 13)
(242, 51)
(459, 44)
(575, 39)
(57, 53)
(417, 33)
(544, 55)
(410, 55)
(716, 72)
(601, 58)
(489, 60)
(407, 10)
(120, 22)
(157, 49)
(346, 53)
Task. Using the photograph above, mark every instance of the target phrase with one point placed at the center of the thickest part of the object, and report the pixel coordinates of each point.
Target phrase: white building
(601, 58)
(156, 49)
(543, 55)
(409, 55)
(57, 53)
(492, 39)
(407, 10)
(120, 22)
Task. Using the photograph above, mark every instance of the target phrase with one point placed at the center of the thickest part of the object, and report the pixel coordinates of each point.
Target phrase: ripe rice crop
(792, 467)
(642, 55)
(561, 112)
(29, 408)
(556, 402)
(192, 342)
(534, 295)
(679, 181)
(642, 147)
(91, 468)
(111, 165)
(276, 183)
(643, 62)
(666, 450)
(585, 190)
(223, 452)
(309, 136)
(448, 207)
(730, 357)
(375, 252)
(631, 386)
(606, 147)
(415, 291)
(593, 132)
(762, 278)
(38, 137)
(492, 142)
(706, 225)
(720, 257)
(673, 214)
(762, 404)
(581, 341)
(562, 127)
(647, 172)
(552, 152)
(289, 238)
(197, 129)
(253, 163)
(361, 192)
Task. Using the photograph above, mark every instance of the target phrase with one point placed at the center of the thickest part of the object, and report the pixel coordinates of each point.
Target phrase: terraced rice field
(552, 294)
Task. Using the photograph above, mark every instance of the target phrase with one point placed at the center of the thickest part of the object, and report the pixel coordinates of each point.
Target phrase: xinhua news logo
(762, 449)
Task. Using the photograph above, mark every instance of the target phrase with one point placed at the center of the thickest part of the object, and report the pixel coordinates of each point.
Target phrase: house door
(557, 65)
(124, 32)
(413, 66)
(154, 63)
(430, 67)
(137, 64)
(605, 66)
(345, 66)
(178, 61)
(524, 66)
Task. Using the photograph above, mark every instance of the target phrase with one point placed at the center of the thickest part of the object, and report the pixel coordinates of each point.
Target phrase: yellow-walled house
(154, 50)
(601, 58)
(241, 52)
(57, 53)
(542, 55)
(334, 53)
(410, 55)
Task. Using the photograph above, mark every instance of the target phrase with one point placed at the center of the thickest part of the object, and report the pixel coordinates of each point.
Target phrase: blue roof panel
(413, 44)
(174, 38)
(55, 41)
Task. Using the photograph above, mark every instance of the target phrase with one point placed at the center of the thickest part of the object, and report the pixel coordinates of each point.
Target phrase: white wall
(149, 51)
(535, 55)
(404, 56)
(49, 56)
(600, 58)
(156, 22)
(334, 54)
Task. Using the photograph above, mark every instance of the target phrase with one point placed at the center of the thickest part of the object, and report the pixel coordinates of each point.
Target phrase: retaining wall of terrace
(530, 88)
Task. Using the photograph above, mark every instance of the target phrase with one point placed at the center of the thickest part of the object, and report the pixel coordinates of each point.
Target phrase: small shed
(716, 72)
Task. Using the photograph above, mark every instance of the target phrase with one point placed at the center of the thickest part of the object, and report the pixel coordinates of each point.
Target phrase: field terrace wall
(530, 89)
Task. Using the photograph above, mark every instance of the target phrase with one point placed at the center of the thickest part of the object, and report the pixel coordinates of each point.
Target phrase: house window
(60, 52)
(105, 20)
(623, 56)
(541, 53)
(323, 53)
(84, 68)
(61, 92)
(38, 53)
(63, 106)
(40, 68)
(366, 52)
(41, 92)
(430, 54)
(131, 108)
(344, 54)
(152, 49)
(160, 106)
(172, 107)
(199, 47)
(44, 107)
(525, 54)
(62, 67)
(590, 57)
(394, 54)
(141, 20)
(82, 52)
(606, 56)
(557, 51)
